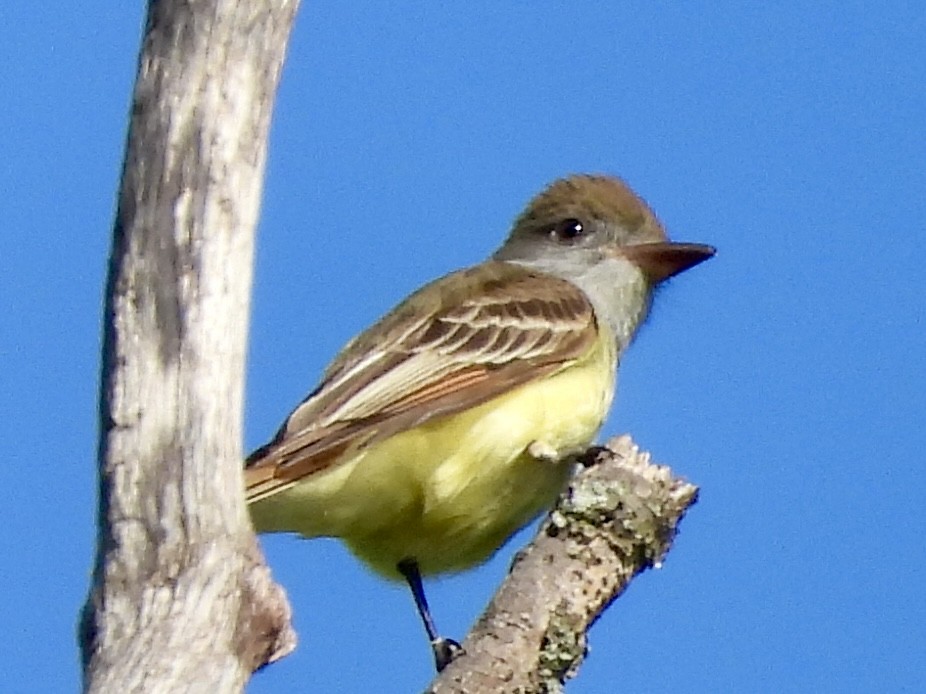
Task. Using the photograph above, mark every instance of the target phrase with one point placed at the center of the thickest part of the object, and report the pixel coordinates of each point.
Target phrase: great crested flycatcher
(455, 419)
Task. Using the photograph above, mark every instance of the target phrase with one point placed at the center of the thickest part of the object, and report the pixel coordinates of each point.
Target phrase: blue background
(786, 376)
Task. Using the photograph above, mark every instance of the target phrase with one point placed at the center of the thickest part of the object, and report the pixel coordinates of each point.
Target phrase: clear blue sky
(786, 376)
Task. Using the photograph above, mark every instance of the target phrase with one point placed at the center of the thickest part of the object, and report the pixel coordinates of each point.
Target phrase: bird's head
(595, 231)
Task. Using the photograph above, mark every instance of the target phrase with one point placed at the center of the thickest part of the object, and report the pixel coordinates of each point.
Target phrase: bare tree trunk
(181, 599)
(618, 518)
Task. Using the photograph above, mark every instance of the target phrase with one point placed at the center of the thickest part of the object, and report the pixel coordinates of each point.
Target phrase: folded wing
(456, 343)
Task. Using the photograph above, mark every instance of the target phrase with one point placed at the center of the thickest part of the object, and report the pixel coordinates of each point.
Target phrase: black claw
(590, 457)
(445, 652)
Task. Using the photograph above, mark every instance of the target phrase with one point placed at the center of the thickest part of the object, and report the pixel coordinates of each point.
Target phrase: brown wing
(454, 344)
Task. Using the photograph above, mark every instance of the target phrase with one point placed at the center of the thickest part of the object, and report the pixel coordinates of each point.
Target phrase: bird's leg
(445, 650)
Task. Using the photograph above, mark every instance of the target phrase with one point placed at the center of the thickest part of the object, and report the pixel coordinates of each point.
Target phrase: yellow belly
(450, 492)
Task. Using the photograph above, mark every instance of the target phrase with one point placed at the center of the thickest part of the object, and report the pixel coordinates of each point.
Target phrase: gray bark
(181, 599)
(617, 519)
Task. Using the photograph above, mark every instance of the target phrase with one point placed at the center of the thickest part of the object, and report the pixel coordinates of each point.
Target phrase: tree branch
(181, 599)
(617, 519)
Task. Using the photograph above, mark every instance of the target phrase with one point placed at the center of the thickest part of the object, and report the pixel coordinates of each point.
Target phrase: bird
(456, 419)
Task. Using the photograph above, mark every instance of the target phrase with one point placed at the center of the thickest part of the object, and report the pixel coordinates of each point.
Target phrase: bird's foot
(592, 456)
(445, 652)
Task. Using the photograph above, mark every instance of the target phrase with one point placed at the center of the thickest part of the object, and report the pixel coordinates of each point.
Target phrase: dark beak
(665, 259)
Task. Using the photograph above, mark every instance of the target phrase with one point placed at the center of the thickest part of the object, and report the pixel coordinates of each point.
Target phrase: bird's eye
(568, 229)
